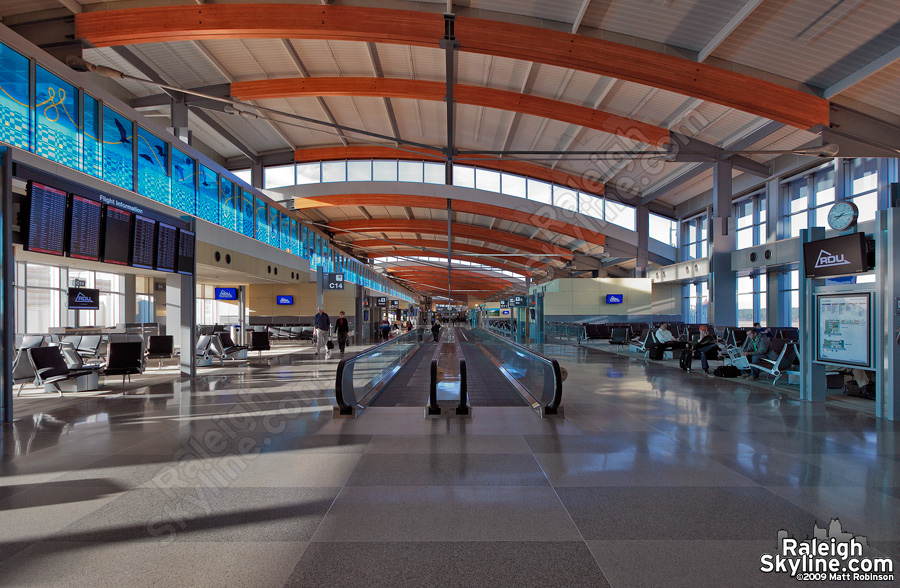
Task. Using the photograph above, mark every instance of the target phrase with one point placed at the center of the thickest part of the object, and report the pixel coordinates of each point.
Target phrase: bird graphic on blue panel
(123, 134)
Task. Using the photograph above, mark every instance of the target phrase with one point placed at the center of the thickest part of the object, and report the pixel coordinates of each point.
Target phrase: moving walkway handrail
(463, 407)
(433, 407)
(349, 402)
(551, 394)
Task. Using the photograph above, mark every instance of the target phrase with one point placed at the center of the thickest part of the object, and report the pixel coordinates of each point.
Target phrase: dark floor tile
(447, 469)
(777, 469)
(446, 564)
(205, 514)
(674, 513)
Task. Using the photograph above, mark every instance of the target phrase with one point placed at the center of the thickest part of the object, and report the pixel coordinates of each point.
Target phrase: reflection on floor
(655, 478)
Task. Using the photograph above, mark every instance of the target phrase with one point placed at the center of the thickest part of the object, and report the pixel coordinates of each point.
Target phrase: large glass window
(464, 176)
(864, 186)
(244, 175)
(410, 171)
(334, 171)
(620, 214)
(359, 171)
(538, 191)
(750, 218)
(696, 244)
(309, 173)
(279, 176)
(798, 206)
(695, 302)
(591, 205)
(663, 229)
(751, 300)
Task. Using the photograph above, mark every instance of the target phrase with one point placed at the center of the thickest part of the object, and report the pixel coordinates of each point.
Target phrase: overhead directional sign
(334, 281)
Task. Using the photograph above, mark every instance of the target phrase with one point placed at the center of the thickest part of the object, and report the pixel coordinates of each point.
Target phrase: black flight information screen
(116, 235)
(144, 243)
(185, 252)
(46, 219)
(84, 232)
(166, 241)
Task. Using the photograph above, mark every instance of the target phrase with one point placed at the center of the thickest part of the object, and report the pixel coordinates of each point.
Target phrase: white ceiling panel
(182, 62)
(821, 42)
(880, 90)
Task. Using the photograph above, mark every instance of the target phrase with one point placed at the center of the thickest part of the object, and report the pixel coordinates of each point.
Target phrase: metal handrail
(552, 406)
(348, 408)
(463, 407)
(433, 407)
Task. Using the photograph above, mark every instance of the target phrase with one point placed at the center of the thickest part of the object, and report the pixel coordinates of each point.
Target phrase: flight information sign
(144, 243)
(166, 242)
(46, 219)
(84, 231)
(116, 235)
(186, 244)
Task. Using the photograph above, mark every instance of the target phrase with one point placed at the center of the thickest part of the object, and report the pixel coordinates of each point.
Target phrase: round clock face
(842, 215)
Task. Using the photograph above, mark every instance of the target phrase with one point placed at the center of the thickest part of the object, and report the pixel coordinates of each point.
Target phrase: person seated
(703, 344)
(666, 339)
(768, 332)
(755, 348)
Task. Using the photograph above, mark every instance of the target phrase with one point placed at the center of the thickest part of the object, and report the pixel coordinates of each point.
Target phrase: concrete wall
(584, 300)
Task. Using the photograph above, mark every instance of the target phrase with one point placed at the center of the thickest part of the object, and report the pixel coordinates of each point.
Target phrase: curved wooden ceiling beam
(487, 37)
(462, 93)
(433, 244)
(430, 227)
(402, 253)
(434, 203)
(590, 184)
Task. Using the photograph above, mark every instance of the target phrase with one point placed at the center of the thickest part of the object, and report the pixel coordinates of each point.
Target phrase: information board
(186, 244)
(144, 243)
(843, 323)
(166, 247)
(116, 235)
(46, 219)
(84, 230)
(226, 294)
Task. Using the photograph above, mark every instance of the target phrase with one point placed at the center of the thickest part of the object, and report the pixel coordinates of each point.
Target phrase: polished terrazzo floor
(654, 478)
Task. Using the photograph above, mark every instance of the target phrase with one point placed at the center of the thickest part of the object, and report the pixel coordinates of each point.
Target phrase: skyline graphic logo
(827, 259)
(80, 297)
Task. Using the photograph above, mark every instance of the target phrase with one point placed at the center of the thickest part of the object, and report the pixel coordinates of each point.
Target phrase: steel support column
(722, 283)
(7, 292)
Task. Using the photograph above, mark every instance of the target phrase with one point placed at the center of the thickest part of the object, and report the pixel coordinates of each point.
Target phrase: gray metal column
(130, 306)
(778, 307)
(7, 292)
(887, 340)
(722, 283)
(181, 316)
(643, 241)
(812, 375)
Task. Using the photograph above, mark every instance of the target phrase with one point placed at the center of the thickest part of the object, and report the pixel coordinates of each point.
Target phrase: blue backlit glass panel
(208, 195)
(247, 220)
(295, 239)
(184, 182)
(91, 138)
(304, 243)
(274, 227)
(262, 221)
(56, 128)
(153, 167)
(15, 109)
(286, 241)
(118, 158)
(231, 206)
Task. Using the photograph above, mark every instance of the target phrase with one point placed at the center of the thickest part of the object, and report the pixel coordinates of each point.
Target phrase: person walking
(322, 324)
(385, 329)
(342, 329)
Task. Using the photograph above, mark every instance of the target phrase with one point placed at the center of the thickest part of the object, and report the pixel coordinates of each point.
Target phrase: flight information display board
(116, 235)
(46, 219)
(144, 242)
(166, 243)
(186, 244)
(84, 230)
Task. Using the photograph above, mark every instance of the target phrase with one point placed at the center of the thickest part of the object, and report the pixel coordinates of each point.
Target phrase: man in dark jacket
(756, 347)
(436, 330)
(322, 323)
(341, 329)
